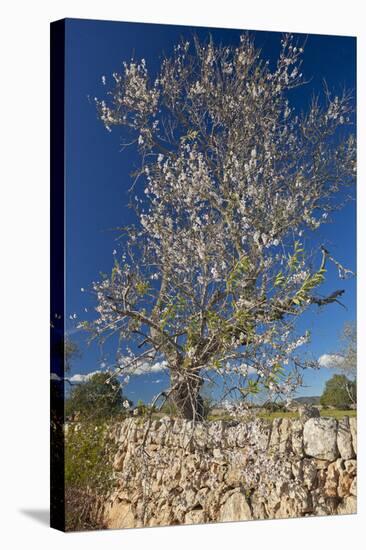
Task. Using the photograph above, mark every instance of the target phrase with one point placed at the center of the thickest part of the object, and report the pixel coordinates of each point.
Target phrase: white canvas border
(25, 267)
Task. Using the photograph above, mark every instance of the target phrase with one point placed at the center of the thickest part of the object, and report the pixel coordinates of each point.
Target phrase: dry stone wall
(173, 472)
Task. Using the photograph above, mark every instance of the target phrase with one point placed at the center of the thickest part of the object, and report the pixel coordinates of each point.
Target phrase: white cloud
(55, 376)
(146, 368)
(251, 370)
(330, 361)
(79, 378)
(142, 368)
(158, 367)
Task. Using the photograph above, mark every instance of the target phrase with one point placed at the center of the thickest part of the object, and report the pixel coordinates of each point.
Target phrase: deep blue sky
(97, 173)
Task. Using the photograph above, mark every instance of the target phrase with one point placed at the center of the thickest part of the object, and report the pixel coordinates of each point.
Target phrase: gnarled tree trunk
(185, 395)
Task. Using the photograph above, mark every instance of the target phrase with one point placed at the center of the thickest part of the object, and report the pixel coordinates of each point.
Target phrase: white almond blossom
(215, 271)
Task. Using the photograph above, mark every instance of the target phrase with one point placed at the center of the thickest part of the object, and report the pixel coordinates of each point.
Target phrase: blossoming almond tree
(216, 270)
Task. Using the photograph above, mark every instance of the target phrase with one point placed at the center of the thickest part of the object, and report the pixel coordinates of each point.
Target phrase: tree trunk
(186, 396)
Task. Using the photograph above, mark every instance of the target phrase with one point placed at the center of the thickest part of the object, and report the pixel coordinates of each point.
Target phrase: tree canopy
(339, 392)
(98, 398)
(214, 274)
(348, 352)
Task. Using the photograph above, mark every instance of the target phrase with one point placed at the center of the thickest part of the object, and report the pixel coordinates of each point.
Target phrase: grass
(273, 415)
(338, 414)
(216, 417)
(333, 413)
(330, 413)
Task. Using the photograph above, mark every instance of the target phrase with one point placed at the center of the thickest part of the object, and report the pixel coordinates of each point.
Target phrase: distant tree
(98, 398)
(345, 359)
(217, 268)
(71, 351)
(349, 350)
(141, 407)
(272, 406)
(169, 408)
(339, 392)
(66, 350)
(209, 400)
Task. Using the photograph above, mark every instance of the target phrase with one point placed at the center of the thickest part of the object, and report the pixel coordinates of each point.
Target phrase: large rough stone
(321, 478)
(351, 466)
(258, 508)
(296, 503)
(231, 436)
(263, 431)
(215, 434)
(309, 472)
(320, 438)
(285, 436)
(190, 498)
(233, 477)
(165, 515)
(344, 439)
(320, 507)
(353, 428)
(272, 503)
(331, 483)
(118, 460)
(212, 501)
(201, 437)
(297, 439)
(348, 506)
(321, 464)
(274, 439)
(235, 508)
(344, 484)
(194, 516)
(353, 488)
(282, 487)
(119, 515)
(297, 470)
(219, 456)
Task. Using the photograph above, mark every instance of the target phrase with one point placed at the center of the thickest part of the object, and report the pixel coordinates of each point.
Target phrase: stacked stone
(174, 471)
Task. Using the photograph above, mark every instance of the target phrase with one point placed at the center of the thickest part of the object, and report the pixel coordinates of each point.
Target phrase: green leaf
(280, 279)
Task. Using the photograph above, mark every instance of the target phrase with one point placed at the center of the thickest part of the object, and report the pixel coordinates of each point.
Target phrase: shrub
(88, 474)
